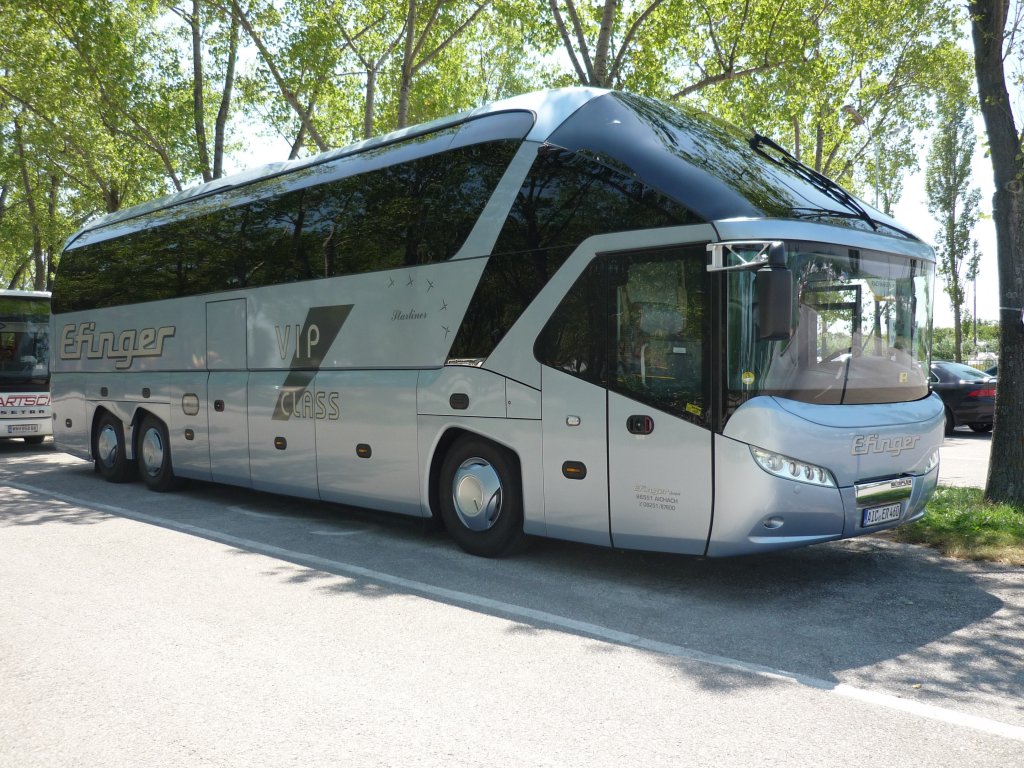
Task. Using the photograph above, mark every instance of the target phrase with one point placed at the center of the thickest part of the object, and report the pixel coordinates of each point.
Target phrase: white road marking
(875, 698)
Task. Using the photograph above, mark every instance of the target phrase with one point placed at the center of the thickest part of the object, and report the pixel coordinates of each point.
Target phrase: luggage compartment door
(227, 391)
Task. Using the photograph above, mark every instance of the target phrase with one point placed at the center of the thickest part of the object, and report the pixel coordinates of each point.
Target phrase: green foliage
(109, 113)
(953, 202)
(960, 523)
(987, 347)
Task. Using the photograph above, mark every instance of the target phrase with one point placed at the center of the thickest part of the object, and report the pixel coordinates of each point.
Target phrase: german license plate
(22, 429)
(883, 514)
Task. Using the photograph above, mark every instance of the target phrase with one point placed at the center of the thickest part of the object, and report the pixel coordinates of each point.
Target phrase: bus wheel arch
(153, 453)
(109, 448)
(476, 488)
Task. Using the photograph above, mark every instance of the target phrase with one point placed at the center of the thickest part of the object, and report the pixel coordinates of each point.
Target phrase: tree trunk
(602, 53)
(44, 282)
(371, 96)
(30, 202)
(407, 65)
(198, 106)
(1006, 468)
(958, 334)
(225, 99)
(955, 291)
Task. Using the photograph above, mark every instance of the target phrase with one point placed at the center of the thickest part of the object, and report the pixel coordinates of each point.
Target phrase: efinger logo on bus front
(894, 446)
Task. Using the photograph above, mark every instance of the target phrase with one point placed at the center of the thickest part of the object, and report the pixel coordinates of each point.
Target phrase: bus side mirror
(774, 304)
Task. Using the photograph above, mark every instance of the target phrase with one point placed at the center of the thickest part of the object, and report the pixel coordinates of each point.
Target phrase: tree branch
(564, 32)
(582, 39)
(628, 39)
(723, 77)
(448, 40)
(286, 92)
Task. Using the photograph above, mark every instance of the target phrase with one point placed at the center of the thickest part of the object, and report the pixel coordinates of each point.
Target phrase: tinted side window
(567, 197)
(636, 323)
(414, 213)
(506, 288)
(574, 339)
(417, 212)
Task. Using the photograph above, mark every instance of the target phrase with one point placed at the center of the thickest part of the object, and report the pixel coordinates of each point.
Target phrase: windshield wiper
(819, 181)
(824, 213)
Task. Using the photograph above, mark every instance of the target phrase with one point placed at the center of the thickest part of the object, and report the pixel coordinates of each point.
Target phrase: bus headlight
(792, 469)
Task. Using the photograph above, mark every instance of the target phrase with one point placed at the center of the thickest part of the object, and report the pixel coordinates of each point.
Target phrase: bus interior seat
(656, 297)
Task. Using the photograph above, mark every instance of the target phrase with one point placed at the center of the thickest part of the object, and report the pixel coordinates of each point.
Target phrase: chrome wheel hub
(476, 491)
(152, 452)
(106, 446)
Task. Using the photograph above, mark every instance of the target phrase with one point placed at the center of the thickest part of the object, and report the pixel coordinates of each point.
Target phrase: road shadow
(839, 611)
(15, 446)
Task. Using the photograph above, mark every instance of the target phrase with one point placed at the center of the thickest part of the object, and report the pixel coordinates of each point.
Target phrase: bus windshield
(860, 330)
(24, 342)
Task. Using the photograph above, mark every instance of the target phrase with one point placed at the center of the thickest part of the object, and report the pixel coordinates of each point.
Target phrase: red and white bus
(25, 365)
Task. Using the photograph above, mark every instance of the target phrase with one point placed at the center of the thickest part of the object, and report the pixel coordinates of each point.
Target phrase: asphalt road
(220, 627)
(963, 458)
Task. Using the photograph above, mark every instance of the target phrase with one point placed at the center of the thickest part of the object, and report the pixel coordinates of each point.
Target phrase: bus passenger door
(625, 401)
(661, 481)
(227, 395)
(659, 436)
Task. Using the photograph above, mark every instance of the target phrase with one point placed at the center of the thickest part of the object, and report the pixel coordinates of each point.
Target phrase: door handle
(640, 425)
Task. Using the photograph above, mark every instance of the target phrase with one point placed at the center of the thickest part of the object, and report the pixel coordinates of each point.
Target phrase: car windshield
(861, 331)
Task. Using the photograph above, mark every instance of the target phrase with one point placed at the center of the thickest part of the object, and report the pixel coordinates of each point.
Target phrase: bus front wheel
(481, 499)
(154, 456)
(111, 458)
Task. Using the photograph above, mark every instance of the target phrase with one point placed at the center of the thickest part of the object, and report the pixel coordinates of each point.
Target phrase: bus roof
(550, 108)
(716, 170)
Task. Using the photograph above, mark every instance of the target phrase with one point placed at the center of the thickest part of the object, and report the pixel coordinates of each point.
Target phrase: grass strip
(960, 523)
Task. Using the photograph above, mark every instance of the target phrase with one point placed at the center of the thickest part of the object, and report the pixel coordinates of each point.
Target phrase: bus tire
(154, 456)
(481, 499)
(111, 457)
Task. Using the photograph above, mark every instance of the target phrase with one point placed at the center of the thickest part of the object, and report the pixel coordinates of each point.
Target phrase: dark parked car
(968, 394)
(993, 371)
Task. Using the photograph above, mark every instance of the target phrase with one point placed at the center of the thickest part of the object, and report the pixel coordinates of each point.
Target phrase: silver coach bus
(25, 365)
(579, 313)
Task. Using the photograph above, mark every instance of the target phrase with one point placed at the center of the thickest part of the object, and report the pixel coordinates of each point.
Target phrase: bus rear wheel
(154, 456)
(481, 500)
(109, 449)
